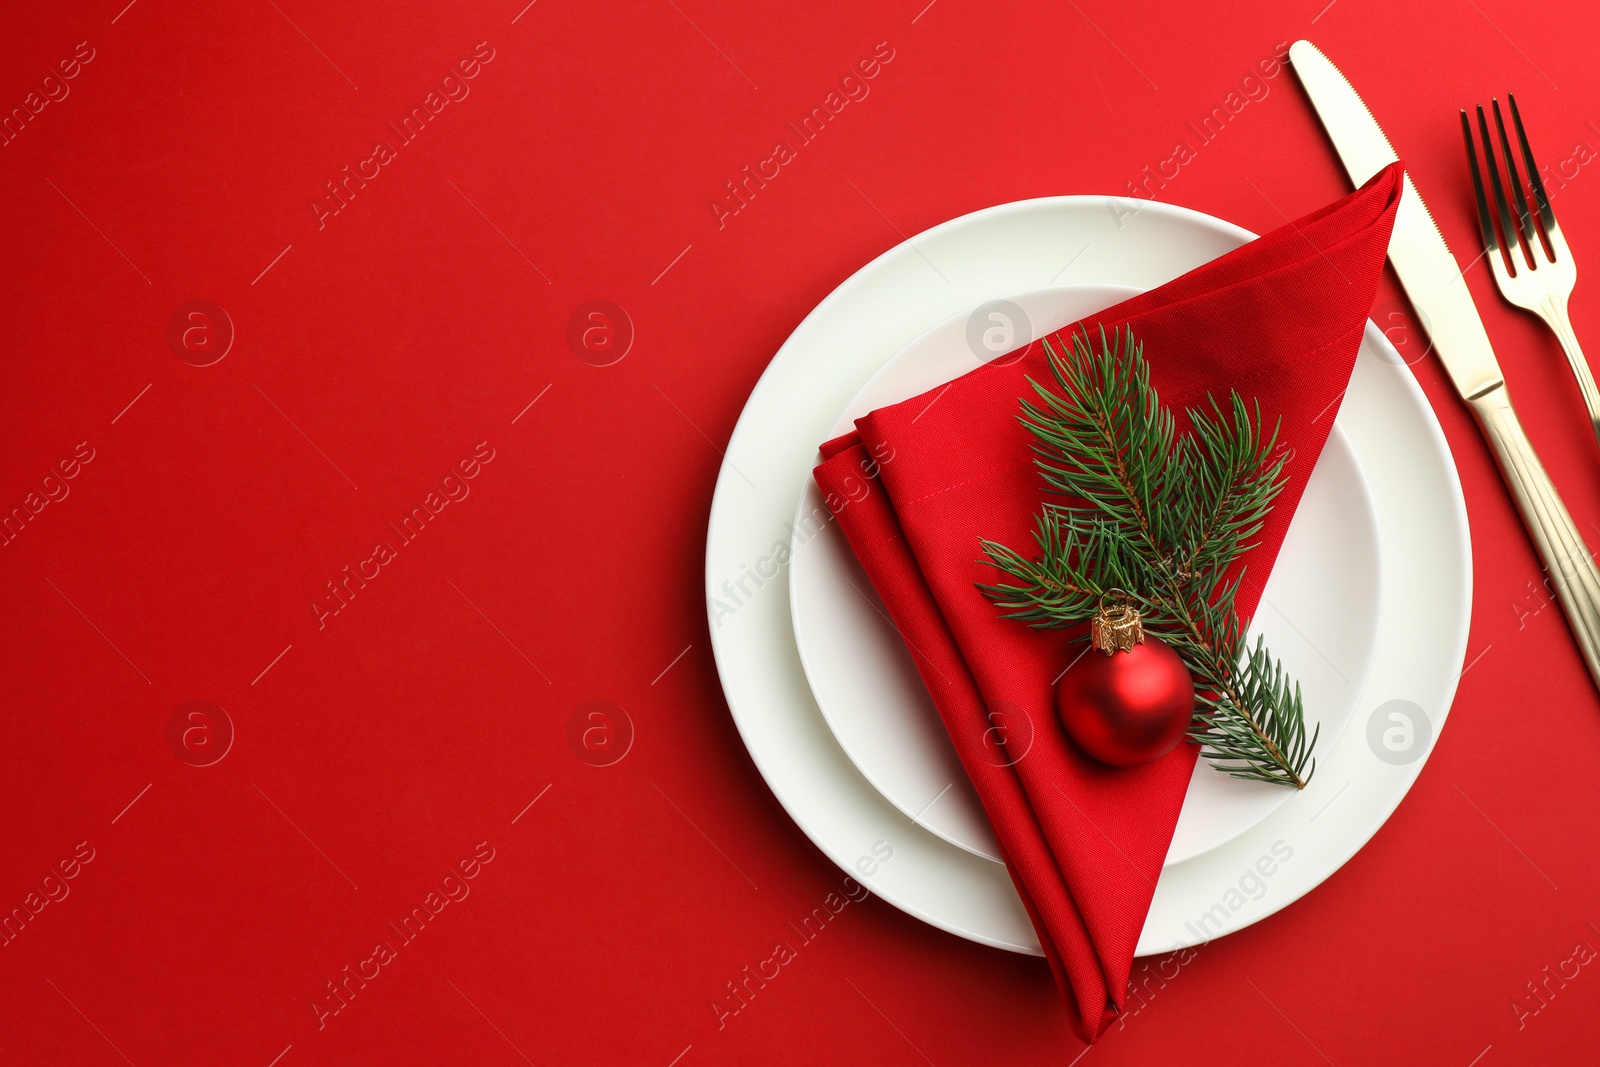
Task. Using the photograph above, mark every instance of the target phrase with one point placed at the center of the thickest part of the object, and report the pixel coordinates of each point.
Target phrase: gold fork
(1533, 267)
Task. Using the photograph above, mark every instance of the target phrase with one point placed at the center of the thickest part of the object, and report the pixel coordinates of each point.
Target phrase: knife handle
(1566, 557)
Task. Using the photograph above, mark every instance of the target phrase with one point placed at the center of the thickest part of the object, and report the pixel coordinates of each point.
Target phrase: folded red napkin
(1280, 320)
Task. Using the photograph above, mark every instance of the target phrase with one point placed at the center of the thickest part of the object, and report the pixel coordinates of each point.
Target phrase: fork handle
(1554, 312)
(1562, 549)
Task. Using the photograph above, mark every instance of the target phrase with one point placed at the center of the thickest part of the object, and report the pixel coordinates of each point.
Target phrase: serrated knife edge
(1421, 257)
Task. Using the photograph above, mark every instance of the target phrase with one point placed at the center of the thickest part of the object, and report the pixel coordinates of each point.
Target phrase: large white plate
(1319, 614)
(1423, 615)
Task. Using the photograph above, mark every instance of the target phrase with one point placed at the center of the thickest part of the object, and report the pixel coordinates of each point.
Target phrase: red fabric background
(380, 750)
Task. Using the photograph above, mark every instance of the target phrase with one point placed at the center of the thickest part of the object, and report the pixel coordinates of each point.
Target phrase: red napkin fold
(1279, 319)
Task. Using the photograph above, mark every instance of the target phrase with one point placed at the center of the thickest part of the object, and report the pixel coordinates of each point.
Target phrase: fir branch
(1167, 516)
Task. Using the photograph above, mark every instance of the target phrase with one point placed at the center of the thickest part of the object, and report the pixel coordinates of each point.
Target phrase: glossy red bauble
(1127, 707)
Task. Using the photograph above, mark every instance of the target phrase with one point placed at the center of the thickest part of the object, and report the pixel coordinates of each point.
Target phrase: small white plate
(1319, 615)
(1422, 624)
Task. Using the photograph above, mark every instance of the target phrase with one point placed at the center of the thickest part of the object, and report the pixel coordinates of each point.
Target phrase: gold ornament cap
(1117, 628)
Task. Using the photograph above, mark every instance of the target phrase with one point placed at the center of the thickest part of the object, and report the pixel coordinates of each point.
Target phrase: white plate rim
(723, 547)
(808, 500)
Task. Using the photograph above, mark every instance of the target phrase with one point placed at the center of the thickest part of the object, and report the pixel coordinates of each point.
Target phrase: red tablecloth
(407, 531)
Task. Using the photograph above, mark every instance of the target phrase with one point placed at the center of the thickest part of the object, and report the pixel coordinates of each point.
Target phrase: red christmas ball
(1130, 698)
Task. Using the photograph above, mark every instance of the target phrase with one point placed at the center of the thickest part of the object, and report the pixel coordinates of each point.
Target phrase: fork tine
(1507, 226)
(1530, 237)
(1485, 224)
(1546, 215)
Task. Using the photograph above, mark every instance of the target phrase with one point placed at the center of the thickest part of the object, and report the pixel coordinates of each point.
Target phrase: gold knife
(1433, 281)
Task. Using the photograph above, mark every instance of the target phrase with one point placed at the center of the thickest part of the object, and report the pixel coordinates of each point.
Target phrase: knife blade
(1433, 281)
(1424, 262)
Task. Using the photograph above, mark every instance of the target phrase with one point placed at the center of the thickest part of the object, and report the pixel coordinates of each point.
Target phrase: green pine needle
(1167, 517)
